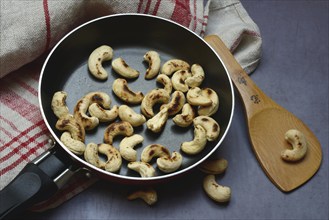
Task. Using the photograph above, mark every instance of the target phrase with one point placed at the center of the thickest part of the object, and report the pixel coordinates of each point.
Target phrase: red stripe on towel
(139, 8)
(156, 7)
(194, 16)
(20, 105)
(24, 133)
(24, 157)
(47, 20)
(147, 8)
(181, 7)
(238, 40)
(25, 86)
(25, 144)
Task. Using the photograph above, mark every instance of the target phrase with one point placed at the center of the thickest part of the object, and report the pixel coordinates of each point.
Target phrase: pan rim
(123, 177)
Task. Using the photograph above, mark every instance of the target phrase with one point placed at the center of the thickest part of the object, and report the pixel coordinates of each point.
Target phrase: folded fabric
(30, 28)
(229, 20)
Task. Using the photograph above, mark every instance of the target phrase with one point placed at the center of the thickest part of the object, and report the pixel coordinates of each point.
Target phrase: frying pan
(65, 69)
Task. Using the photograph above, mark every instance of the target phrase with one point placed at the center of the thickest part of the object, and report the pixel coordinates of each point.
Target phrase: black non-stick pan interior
(131, 36)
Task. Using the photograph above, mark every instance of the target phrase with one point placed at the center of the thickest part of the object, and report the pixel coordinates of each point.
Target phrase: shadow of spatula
(267, 124)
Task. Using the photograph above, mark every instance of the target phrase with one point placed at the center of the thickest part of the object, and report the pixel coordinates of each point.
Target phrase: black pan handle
(38, 181)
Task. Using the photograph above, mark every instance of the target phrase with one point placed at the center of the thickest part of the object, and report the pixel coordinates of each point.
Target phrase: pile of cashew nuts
(182, 99)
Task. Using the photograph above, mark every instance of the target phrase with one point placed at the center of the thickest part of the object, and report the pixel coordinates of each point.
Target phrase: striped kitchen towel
(30, 28)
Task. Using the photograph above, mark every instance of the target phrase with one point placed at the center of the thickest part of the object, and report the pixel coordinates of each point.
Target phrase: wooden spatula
(268, 123)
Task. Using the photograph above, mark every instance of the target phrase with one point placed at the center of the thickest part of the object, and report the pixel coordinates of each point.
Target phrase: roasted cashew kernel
(299, 146)
(121, 89)
(153, 59)
(186, 117)
(197, 76)
(165, 81)
(154, 150)
(117, 128)
(157, 122)
(151, 98)
(173, 65)
(178, 80)
(83, 104)
(215, 191)
(195, 97)
(103, 115)
(58, 104)
(76, 146)
(128, 114)
(114, 160)
(127, 145)
(217, 166)
(91, 154)
(211, 109)
(68, 123)
(210, 125)
(100, 54)
(176, 104)
(149, 196)
(123, 69)
(197, 144)
(144, 169)
(170, 164)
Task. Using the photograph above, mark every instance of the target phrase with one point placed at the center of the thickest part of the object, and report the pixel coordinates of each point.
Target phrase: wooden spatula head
(267, 131)
(268, 122)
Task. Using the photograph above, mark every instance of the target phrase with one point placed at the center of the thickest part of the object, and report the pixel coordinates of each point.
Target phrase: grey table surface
(293, 72)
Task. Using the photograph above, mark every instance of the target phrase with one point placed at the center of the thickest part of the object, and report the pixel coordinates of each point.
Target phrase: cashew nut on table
(100, 54)
(148, 195)
(214, 166)
(215, 191)
(299, 146)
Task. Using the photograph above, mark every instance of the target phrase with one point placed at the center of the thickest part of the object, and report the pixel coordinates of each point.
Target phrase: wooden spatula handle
(253, 98)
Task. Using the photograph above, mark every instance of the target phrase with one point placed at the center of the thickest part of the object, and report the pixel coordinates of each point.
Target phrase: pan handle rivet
(88, 175)
(51, 141)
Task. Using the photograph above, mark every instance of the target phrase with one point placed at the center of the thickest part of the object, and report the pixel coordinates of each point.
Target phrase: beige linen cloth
(30, 28)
